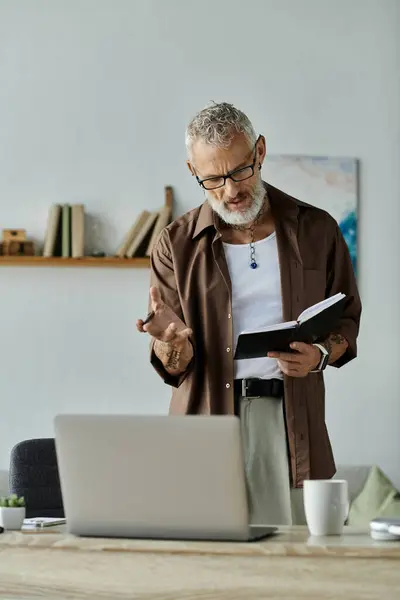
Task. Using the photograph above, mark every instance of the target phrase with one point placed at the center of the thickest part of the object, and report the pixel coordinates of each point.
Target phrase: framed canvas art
(330, 183)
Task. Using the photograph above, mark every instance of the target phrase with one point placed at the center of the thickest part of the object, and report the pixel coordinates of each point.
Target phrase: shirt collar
(205, 219)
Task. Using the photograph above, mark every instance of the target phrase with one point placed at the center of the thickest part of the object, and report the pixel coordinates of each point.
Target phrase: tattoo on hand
(173, 359)
(171, 355)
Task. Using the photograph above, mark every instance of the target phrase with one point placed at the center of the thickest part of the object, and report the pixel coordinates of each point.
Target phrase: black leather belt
(259, 388)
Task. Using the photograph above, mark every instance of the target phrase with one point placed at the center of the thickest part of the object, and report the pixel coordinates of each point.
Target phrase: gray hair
(217, 124)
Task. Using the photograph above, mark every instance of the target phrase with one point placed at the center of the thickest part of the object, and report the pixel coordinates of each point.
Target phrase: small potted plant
(12, 512)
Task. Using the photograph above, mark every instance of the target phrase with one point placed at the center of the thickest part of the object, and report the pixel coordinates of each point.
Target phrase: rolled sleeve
(341, 278)
(162, 276)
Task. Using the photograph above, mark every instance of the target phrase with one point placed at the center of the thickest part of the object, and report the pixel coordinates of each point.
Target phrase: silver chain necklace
(252, 228)
(253, 263)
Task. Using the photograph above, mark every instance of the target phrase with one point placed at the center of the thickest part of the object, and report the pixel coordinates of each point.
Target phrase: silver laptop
(158, 477)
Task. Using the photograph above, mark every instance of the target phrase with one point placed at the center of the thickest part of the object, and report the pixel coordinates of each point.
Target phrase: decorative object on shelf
(15, 243)
(95, 230)
(12, 512)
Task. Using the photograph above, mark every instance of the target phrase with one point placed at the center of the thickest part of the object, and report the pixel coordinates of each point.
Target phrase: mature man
(250, 256)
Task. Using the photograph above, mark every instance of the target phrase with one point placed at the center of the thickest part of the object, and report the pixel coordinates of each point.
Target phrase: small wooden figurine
(14, 243)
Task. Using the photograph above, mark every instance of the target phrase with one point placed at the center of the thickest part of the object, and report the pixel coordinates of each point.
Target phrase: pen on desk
(149, 317)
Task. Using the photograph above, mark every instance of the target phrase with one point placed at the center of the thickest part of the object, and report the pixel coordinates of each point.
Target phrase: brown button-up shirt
(188, 266)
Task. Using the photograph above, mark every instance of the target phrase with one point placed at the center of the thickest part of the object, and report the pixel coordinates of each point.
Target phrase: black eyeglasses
(212, 183)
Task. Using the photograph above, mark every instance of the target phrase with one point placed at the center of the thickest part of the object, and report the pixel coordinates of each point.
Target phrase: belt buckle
(244, 389)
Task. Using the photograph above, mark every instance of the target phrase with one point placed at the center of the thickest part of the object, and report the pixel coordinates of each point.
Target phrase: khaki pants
(271, 500)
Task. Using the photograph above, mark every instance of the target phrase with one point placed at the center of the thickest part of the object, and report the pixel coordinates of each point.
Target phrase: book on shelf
(132, 233)
(52, 231)
(65, 231)
(139, 244)
(164, 218)
(77, 230)
(141, 237)
(315, 323)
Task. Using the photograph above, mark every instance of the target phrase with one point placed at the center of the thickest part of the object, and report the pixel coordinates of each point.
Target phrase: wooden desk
(291, 565)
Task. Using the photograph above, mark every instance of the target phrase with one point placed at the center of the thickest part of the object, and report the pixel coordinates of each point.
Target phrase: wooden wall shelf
(86, 261)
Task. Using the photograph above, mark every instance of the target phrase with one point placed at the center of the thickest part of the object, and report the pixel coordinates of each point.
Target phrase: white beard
(239, 218)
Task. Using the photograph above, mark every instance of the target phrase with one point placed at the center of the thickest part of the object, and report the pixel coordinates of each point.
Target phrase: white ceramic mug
(326, 505)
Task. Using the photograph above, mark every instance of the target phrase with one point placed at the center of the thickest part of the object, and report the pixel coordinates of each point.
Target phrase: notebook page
(275, 327)
(319, 307)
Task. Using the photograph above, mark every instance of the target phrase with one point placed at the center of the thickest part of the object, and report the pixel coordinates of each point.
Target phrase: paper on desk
(37, 522)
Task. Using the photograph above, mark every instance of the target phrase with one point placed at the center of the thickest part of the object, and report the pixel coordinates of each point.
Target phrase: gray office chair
(34, 475)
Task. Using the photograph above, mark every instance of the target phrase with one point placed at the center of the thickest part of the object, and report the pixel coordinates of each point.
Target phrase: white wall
(94, 99)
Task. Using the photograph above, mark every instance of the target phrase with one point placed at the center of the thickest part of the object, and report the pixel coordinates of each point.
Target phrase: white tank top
(256, 299)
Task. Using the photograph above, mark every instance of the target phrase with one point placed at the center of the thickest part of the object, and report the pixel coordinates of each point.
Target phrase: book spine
(66, 231)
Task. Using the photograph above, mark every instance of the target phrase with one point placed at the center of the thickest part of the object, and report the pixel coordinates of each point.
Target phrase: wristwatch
(324, 358)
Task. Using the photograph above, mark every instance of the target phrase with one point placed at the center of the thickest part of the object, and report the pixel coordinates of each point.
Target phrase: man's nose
(231, 188)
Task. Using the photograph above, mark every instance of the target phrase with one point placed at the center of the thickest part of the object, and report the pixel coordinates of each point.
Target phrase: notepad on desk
(314, 323)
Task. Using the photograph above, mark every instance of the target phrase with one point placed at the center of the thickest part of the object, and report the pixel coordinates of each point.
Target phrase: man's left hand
(306, 358)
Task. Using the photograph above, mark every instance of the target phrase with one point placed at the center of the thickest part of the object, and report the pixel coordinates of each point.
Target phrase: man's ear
(261, 150)
(190, 167)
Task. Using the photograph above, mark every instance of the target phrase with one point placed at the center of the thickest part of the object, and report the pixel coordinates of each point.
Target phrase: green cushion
(378, 498)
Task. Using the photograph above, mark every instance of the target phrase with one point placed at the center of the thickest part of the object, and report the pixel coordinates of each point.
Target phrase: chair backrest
(34, 475)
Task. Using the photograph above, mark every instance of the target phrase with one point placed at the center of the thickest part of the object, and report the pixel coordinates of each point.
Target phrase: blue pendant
(253, 265)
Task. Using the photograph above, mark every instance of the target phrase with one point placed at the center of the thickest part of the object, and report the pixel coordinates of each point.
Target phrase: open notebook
(313, 324)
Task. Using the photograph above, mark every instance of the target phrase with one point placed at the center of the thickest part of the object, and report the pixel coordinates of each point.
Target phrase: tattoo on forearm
(335, 339)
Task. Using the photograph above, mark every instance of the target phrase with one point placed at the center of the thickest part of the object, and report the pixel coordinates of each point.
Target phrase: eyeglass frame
(229, 175)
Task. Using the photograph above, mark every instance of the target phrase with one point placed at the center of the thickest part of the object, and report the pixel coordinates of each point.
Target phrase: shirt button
(228, 385)
(229, 315)
(228, 349)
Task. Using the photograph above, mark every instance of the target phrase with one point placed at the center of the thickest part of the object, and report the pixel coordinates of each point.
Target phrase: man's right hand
(172, 346)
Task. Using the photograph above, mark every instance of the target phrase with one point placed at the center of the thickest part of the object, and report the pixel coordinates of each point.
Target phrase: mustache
(239, 197)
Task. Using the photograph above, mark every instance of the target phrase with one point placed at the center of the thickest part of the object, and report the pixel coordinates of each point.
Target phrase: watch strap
(324, 358)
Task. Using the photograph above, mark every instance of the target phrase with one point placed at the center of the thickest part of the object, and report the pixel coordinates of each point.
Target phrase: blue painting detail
(348, 227)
